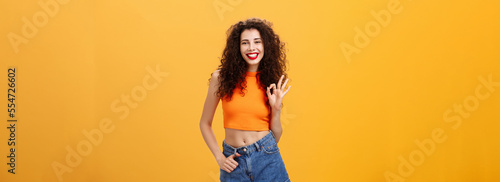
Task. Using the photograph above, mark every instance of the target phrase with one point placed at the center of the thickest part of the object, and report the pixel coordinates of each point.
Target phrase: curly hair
(233, 67)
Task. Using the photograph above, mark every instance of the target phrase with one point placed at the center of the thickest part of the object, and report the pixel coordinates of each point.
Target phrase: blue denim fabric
(260, 161)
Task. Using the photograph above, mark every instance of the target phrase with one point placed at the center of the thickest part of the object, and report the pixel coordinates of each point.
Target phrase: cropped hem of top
(248, 111)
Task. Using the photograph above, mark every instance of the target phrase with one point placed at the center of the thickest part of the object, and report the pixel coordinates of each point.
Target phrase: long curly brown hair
(233, 67)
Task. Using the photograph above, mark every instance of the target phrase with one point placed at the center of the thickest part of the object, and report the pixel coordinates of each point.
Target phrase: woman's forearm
(276, 124)
(210, 140)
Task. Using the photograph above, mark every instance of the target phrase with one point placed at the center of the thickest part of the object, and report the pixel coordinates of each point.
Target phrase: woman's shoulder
(215, 74)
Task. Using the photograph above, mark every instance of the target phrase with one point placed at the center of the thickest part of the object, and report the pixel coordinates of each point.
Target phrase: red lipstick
(251, 56)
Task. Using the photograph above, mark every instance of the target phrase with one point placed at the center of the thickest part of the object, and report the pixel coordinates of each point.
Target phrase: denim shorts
(260, 161)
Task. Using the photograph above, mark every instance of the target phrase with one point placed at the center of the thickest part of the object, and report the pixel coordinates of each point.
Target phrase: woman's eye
(243, 43)
(258, 42)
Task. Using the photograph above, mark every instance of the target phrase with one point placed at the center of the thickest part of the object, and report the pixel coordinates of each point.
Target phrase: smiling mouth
(252, 56)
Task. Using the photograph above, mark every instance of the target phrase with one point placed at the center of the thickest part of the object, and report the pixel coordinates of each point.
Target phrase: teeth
(252, 55)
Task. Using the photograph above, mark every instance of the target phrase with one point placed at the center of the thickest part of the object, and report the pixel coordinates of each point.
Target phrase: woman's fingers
(287, 90)
(284, 84)
(232, 163)
(229, 163)
(270, 88)
(227, 169)
(279, 82)
(231, 166)
(280, 86)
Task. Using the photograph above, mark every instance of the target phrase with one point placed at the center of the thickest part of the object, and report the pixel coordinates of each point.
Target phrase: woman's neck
(252, 68)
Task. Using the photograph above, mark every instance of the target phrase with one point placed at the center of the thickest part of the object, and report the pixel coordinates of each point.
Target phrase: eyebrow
(247, 39)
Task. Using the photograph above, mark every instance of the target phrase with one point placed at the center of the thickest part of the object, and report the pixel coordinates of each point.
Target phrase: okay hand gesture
(276, 98)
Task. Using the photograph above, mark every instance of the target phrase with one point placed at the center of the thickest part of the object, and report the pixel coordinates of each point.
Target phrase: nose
(251, 47)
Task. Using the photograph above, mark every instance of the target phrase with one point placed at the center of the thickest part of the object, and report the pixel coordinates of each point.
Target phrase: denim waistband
(256, 146)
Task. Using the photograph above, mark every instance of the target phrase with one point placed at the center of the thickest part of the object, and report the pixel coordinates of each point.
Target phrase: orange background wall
(382, 90)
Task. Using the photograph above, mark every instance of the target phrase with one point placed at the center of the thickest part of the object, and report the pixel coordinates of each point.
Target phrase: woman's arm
(275, 101)
(228, 164)
(276, 124)
(207, 116)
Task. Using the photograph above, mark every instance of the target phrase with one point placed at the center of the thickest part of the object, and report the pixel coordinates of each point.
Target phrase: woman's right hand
(228, 164)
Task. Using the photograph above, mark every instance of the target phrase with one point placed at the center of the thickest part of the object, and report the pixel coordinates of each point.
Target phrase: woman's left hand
(276, 98)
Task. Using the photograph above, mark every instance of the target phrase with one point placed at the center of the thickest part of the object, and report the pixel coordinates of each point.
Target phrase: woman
(253, 59)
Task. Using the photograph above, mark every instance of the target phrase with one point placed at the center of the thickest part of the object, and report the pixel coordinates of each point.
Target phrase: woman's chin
(253, 62)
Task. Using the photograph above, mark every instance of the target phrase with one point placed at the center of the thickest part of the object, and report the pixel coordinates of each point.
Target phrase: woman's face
(251, 48)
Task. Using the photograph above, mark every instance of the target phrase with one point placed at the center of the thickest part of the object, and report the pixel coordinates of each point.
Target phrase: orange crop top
(248, 112)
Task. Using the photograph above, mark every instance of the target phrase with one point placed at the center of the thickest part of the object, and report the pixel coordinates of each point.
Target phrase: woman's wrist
(219, 157)
(276, 112)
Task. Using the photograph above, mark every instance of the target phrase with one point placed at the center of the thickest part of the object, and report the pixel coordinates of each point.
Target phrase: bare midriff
(239, 138)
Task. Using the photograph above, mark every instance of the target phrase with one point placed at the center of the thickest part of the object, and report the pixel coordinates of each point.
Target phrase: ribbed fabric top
(252, 74)
(248, 112)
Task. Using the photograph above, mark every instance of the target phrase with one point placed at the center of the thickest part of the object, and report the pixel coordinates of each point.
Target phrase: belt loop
(234, 151)
(257, 145)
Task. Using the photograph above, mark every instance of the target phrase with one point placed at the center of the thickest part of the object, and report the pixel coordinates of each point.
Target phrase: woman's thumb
(234, 155)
